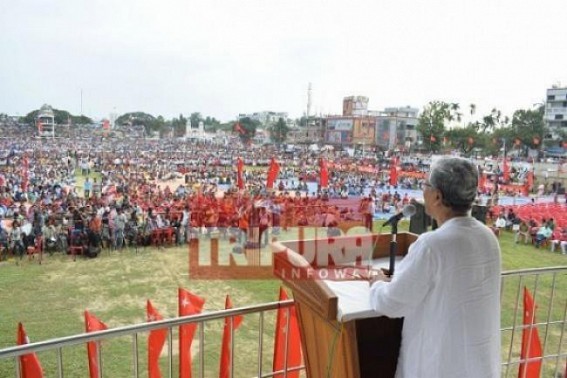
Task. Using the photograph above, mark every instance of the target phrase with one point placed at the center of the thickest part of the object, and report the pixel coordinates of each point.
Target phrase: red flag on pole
(239, 173)
(323, 174)
(29, 363)
(238, 128)
(531, 345)
(287, 332)
(26, 173)
(226, 351)
(93, 324)
(273, 172)
(393, 172)
(156, 341)
(189, 304)
(506, 170)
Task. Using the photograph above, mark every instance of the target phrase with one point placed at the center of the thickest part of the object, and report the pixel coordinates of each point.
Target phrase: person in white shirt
(447, 287)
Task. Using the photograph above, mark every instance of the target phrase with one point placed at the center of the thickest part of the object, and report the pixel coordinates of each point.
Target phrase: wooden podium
(365, 347)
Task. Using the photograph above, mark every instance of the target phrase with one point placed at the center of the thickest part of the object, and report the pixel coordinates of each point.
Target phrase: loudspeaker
(479, 212)
(419, 221)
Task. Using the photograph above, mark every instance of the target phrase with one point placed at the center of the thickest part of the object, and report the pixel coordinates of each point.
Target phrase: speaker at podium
(341, 336)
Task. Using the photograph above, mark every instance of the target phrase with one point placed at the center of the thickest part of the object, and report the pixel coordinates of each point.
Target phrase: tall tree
(195, 118)
(529, 127)
(279, 131)
(431, 123)
(247, 128)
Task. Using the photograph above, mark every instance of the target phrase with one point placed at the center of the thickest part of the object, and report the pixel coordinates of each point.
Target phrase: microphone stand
(393, 248)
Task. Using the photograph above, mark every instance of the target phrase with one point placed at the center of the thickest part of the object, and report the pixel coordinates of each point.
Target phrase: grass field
(50, 300)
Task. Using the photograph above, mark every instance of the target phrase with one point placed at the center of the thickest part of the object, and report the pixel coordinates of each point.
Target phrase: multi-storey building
(556, 111)
(396, 127)
(46, 121)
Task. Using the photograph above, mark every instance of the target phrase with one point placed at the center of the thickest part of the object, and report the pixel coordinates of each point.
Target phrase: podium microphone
(408, 211)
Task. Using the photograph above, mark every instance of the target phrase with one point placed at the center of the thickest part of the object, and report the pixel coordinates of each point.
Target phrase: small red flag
(531, 345)
(286, 335)
(506, 170)
(189, 304)
(323, 174)
(29, 363)
(92, 324)
(536, 140)
(432, 138)
(156, 341)
(238, 128)
(393, 172)
(226, 352)
(273, 172)
(239, 173)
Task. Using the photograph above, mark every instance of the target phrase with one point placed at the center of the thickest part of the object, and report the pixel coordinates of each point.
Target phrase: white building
(266, 118)
(556, 110)
(45, 121)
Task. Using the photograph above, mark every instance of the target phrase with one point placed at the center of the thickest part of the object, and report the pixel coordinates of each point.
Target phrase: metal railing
(58, 344)
(548, 287)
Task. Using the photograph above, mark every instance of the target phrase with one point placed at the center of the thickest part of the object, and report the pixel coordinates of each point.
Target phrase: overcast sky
(225, 57)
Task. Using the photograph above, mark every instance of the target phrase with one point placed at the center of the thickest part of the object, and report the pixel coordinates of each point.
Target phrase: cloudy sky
(224, 57)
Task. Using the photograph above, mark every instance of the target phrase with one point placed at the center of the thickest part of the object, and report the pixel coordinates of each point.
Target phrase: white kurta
(448, 290)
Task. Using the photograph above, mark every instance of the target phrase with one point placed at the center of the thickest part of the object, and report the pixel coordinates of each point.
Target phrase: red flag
(39, 126)
(529, 183)
(506, 170)
(432, 138)
(286, 335)
(238, 128)
(323, 174)
(226, 352)
(531, 345)
(536, 141)
(189, 304)
(156, 340)
(393, 172)
(26, 173)
(239, 173)
(93, 324)
(482, 182)
(273, 172)
(29, 363)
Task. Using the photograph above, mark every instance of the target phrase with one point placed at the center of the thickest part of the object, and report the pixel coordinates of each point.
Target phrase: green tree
(195, 118)
(248, 128)
(279, 131)
(61, 117)
(529, 127)
(431, 123)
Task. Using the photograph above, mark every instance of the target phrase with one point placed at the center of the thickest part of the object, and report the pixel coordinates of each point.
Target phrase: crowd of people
(110, 192)
(107, 193)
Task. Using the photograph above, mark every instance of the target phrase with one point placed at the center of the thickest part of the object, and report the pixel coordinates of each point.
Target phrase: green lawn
(50, 300)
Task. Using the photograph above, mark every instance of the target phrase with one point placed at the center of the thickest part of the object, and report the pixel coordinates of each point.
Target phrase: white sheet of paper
(354, 296)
